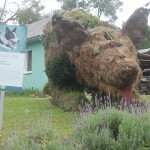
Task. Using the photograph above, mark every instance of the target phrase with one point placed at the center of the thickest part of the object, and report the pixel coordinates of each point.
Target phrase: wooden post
(2, 95)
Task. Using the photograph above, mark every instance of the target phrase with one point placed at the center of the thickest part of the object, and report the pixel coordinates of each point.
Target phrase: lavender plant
(103, 125)
(138, 106)
(112, 129)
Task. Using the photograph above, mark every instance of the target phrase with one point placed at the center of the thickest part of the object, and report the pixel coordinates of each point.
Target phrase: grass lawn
(21, 114)
(34, 123)
(147, 97)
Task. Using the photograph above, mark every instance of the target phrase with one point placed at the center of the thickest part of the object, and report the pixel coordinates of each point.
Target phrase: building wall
(37, 78)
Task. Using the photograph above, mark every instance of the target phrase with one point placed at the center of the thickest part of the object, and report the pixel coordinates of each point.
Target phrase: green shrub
(71, 100)
(88, 19)
(51, 89)
(112, 130)
(55, 96)
(48, 88)
(61, 71)
(24, 92)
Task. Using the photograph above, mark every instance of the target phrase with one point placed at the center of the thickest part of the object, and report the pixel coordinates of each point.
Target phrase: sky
(128, 8)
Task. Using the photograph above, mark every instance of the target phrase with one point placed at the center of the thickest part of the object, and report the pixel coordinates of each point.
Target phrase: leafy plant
(71, 100)
(24, 92)
(106, 8)
(49, 88)
(112, 129)
(88, 19)
(61, 71)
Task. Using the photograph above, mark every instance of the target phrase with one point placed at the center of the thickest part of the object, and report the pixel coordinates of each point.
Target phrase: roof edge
(34, 38)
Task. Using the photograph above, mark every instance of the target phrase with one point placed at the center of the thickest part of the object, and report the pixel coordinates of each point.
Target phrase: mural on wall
(12, 56)
(12, 38)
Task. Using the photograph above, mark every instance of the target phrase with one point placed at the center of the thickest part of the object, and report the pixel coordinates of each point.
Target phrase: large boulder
(104, 57)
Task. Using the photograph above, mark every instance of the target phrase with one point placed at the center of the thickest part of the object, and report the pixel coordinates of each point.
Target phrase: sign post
(2, 95)
(12, 57)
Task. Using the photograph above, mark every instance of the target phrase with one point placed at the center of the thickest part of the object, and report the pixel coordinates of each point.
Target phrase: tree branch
(14, 16)
(3, 9)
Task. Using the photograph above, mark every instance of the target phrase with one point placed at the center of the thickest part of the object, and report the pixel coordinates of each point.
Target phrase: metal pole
(2, 95)
(77, 4)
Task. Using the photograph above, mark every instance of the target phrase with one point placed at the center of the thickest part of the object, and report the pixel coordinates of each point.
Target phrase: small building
(144, 58)
(34, 75)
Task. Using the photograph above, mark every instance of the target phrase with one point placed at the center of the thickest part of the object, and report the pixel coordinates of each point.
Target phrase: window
(28, 62)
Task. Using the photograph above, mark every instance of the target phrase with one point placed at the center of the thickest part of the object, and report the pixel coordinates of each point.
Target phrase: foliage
(28, 16)
(71, 4)
(61, 71)
(89, 20)
(25, 12)
(68, 4)
(67, 98)
(48, 88)
(145, 42)
(47, 127)
(69, 101)
(146, 97)
(39, 137)
(24, 92)
(31, 14)
(112, 129)
(55, 96)
(108, 8)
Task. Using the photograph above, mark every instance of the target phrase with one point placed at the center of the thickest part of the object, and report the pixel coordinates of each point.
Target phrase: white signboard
(12, 56)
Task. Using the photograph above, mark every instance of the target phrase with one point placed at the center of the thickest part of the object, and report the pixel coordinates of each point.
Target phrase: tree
(26, 12)
(28, 16)
(7, 14)
(31, 14)
(108, 8)
(2, 10)
(71, 4)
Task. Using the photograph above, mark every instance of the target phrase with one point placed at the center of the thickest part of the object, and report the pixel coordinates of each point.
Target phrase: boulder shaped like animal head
(104, 58)
(120, 70)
